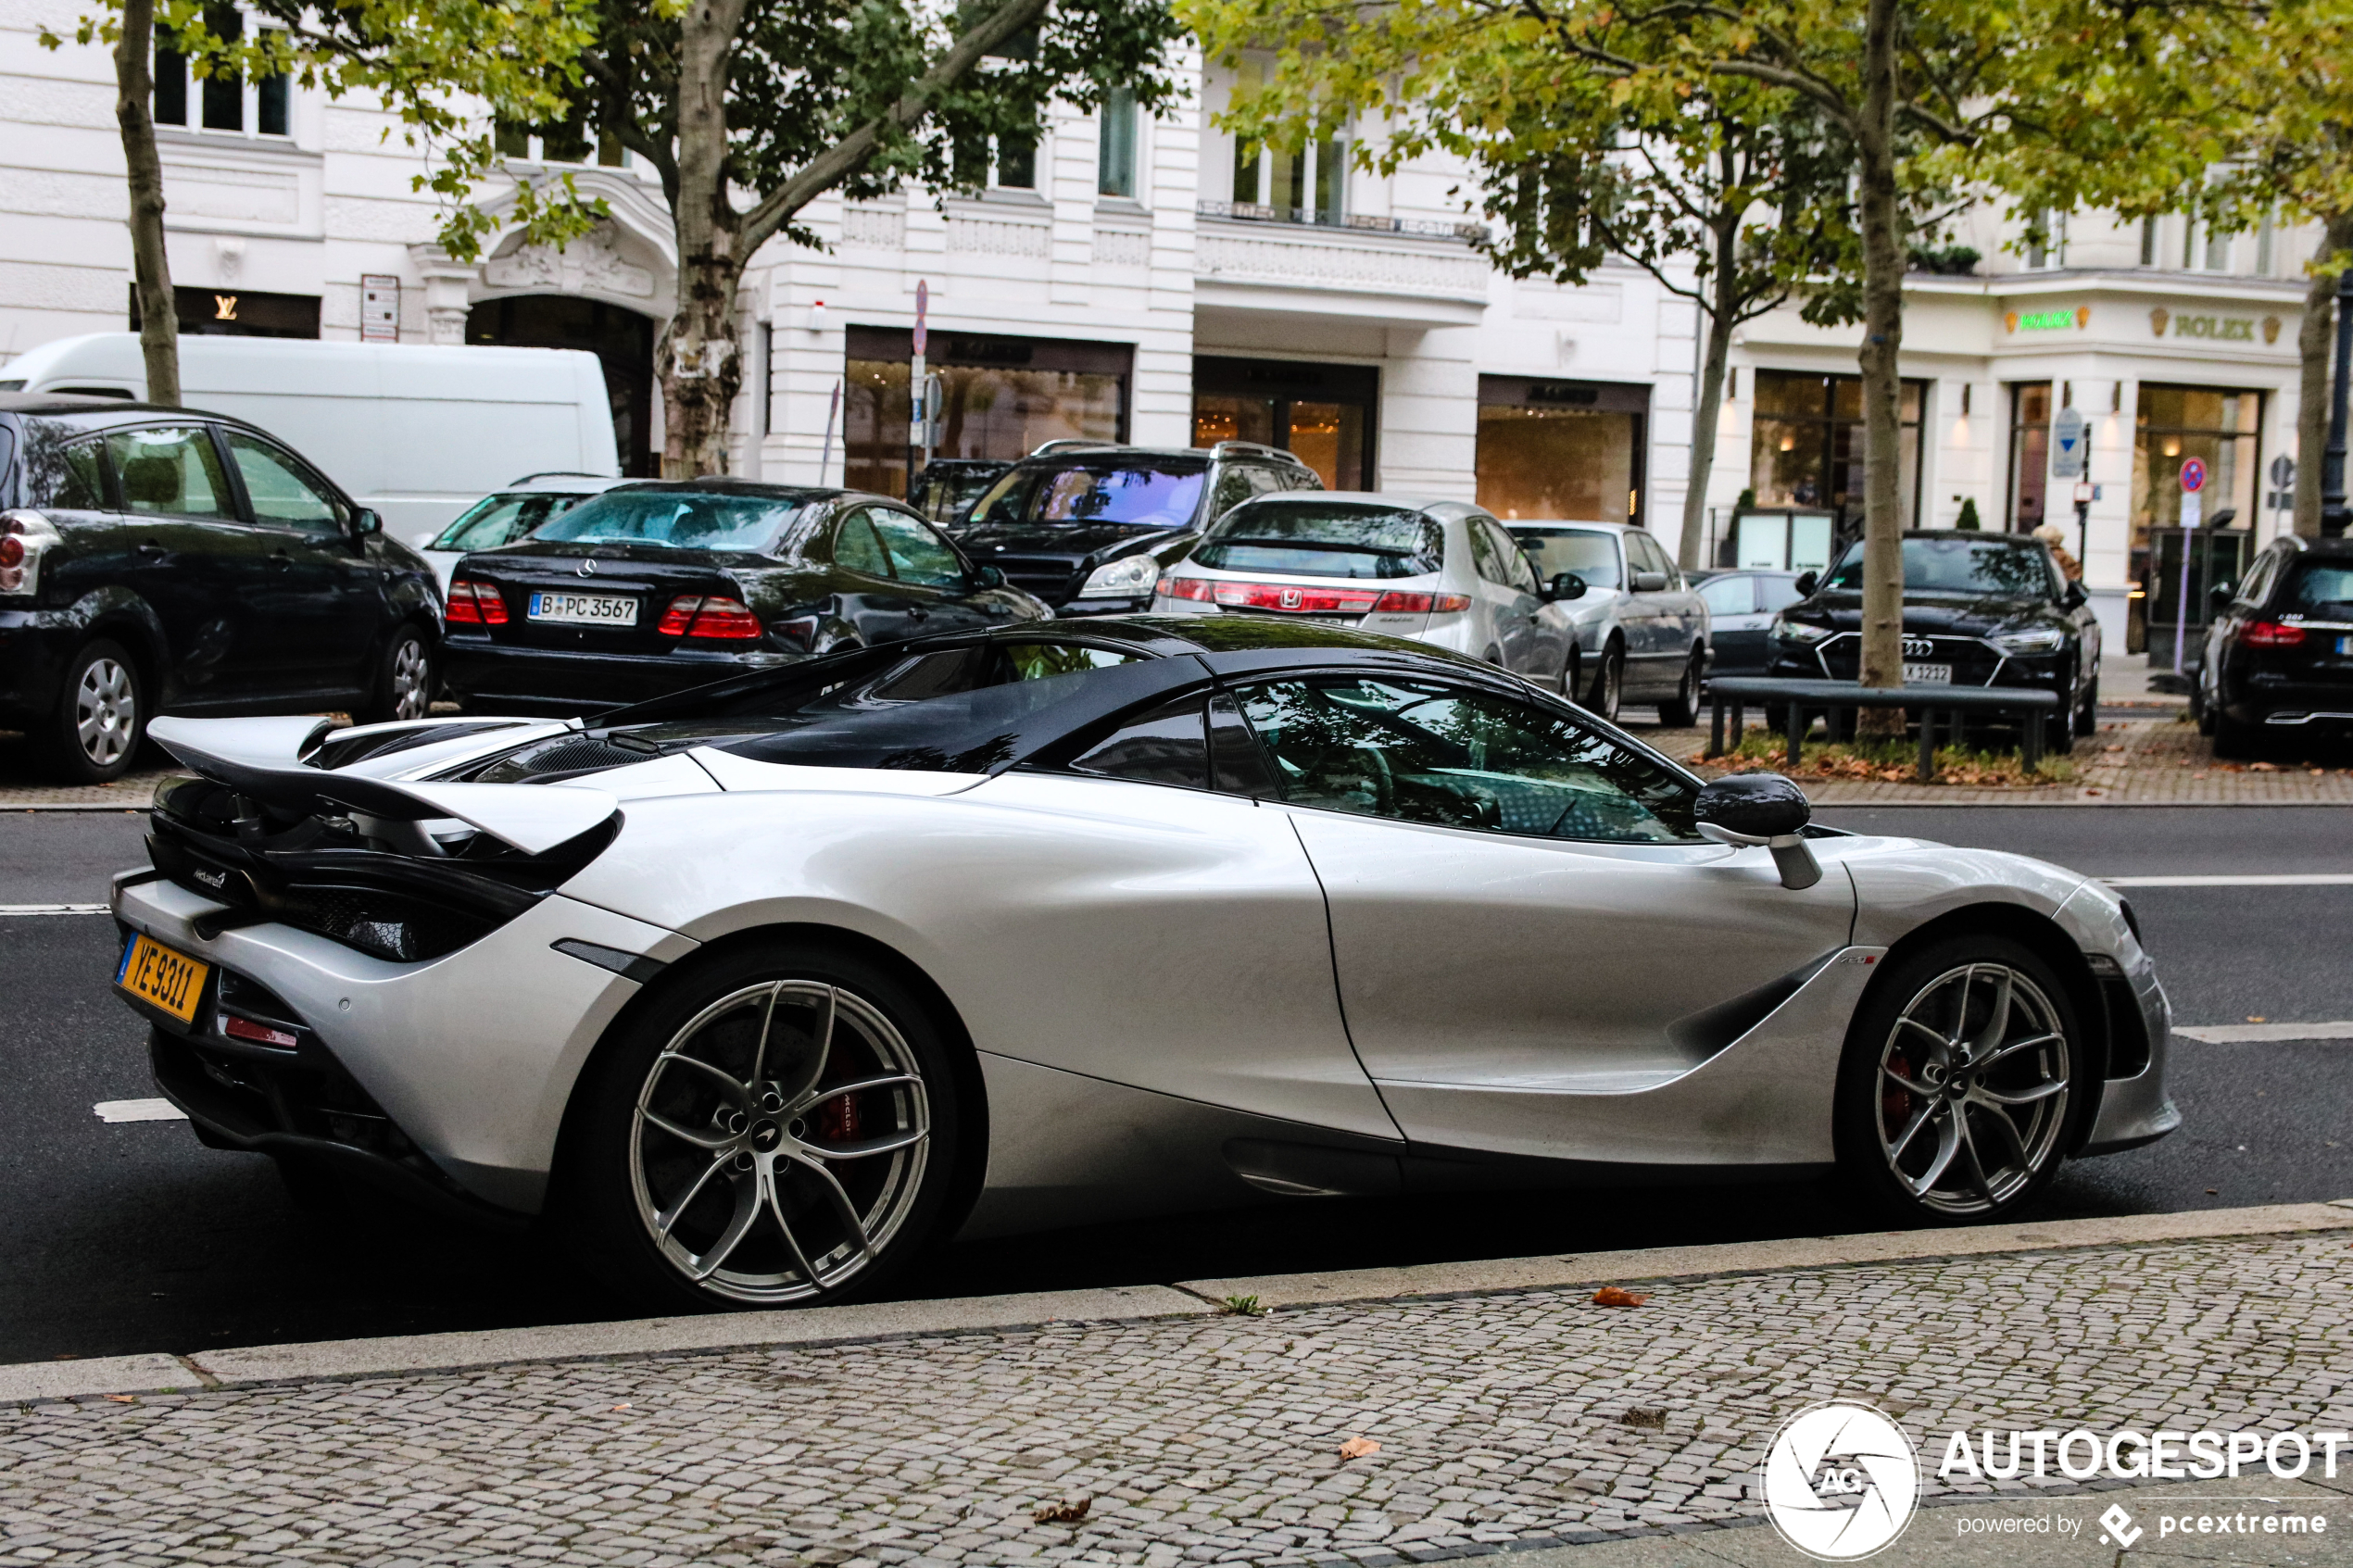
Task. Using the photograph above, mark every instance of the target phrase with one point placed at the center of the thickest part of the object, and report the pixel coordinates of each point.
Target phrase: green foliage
(421, 60)
(1969, 514)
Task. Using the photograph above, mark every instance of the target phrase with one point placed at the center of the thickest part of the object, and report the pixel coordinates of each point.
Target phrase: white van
(420, 434)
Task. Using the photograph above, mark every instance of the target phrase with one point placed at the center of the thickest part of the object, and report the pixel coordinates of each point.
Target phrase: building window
(1807, 449)
(1001, 397)
(225, 101)
(566, 142)
(1308, 184)
(1324, 415)
(2030, 455)
(1005, 163)
(1566, 450)
(2218, 249)
(2148, 241)
(2051, 249)
(2264, 242)
(171, 81)
(1115, 154)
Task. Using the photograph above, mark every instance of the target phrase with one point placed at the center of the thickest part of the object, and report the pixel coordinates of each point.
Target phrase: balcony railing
(1308, 217)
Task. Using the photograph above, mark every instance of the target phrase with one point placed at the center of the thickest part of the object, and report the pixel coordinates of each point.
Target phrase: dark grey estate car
(162, 559)
(1089, 527)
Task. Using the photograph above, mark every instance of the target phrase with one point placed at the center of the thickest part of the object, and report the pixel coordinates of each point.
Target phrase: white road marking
(139, 1111)
(51, 908)
(2294, 879)
(2247, 1033)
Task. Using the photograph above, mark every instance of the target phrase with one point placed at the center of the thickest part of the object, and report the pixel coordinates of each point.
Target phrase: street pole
(918, 416)
(2334, 512)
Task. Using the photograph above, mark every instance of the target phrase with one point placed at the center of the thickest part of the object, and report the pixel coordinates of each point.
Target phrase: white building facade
(1149, 281)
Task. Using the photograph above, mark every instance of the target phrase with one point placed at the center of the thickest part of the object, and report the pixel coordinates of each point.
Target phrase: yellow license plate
(153, 973)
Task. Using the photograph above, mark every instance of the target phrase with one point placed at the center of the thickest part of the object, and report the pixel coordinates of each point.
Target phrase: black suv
(157, 559)
(2279, 651)
(1980, 609)
(1089, 527)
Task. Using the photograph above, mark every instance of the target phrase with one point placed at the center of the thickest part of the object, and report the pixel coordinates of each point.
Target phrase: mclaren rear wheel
(779, 1128)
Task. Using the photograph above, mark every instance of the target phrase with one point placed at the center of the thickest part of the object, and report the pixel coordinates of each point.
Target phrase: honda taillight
(476, 604)
(1421, 604)
(692, 615)
(2270, 635)
(1185, 587)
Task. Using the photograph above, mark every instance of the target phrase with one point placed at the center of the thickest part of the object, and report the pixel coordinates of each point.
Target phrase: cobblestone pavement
(1522, 1418)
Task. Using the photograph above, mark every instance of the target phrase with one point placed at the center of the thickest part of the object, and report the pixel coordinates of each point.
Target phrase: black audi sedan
(166, 560)
(1089, 527)
(1980, 609)
(2279, 649)
(659, 585)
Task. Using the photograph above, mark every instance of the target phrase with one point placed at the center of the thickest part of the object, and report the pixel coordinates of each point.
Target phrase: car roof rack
(1069, 444)
(562, 473)
(1251, 449)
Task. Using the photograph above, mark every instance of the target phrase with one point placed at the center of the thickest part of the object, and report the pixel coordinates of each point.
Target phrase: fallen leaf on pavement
(621, 1407)
(1611, 1296)
(1063, 1512)
(123, 1398)
(2262, 767)
(2257, 1018)
(1357, 1448)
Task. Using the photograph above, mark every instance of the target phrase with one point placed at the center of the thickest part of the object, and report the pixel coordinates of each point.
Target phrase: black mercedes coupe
(1980, 609)
(656, 587)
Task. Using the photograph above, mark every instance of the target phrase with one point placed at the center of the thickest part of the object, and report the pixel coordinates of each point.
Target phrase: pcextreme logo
(1841, 1482)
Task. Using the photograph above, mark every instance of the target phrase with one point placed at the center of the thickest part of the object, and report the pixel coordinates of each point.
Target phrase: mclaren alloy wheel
(779, 1138)
(1961, 1082)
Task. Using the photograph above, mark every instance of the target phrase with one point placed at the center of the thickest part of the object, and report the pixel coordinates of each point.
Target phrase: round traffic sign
(2193, 476)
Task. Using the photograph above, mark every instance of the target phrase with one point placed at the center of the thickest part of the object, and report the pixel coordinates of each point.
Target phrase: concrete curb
(256, 1366)
(1582, 1268)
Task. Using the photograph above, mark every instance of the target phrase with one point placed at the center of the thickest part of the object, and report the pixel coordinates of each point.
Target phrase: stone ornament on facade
(2271, 329)
(2009, 320)
(2157, 318)
(873, 228)
(1123, 247)
(994, 237)
(2083, 318)
(589, 263)
(1290, 261)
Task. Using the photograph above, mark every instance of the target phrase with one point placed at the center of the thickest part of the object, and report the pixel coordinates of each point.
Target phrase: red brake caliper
(838, 1119)
(1895, 1100)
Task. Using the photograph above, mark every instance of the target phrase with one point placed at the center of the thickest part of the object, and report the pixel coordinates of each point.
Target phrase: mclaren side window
(1195, 742)
(1414, 751)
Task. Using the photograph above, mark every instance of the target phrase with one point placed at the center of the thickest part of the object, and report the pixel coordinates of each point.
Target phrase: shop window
(1000, 399)
(1806, 447)
(1322, 414)
(239, 313)
(1116, 153)
(2030, 455)
(2218, 426)
(1566, 450)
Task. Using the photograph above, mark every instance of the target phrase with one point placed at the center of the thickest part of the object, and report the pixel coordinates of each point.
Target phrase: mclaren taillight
(694, 615)
(476, 604)
(2270, 635)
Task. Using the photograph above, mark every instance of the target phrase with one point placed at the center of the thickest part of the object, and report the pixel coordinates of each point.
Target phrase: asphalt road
(129, 1237)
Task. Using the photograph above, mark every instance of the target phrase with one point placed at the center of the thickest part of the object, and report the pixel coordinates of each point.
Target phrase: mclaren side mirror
(1749, 810)
(1566, 586)
(1806, 583)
